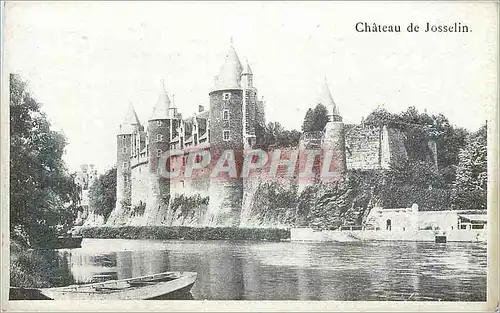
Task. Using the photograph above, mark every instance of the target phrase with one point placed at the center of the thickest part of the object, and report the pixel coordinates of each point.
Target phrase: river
(250, 270)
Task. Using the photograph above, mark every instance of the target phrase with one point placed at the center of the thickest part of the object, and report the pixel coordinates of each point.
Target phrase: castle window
(159, 137)
(158, 152)
(225, 135)
(124, 149)
(159, 123)
(226, 96)
(225, 115)
(125, 165)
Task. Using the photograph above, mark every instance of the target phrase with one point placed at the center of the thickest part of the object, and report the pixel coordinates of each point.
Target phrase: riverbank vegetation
(38, 268)
(458, 182)
(185, 233)
(44, 198)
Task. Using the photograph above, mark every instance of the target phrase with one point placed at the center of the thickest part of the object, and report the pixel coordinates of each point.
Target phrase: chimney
(201, 108)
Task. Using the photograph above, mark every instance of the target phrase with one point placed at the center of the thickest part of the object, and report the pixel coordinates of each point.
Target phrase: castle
(84, 178)
(235, 111)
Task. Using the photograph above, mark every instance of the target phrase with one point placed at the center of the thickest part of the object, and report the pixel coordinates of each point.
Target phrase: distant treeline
(186, 233)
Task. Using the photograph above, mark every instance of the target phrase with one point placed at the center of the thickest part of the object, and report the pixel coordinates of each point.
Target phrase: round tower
(334, 138)
(158, 143)
(126, 130)
(227, 129)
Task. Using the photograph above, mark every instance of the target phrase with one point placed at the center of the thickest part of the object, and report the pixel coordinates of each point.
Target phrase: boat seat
(142, 283)
(108, 288)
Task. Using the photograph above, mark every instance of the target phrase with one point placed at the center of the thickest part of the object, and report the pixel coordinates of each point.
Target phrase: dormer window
(226, 96)
(225, 115)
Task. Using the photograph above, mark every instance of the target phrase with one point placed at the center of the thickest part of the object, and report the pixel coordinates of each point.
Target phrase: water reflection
(294, 271)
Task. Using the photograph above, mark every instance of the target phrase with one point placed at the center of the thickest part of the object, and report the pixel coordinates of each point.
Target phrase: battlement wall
(138, 159)
(197, 182)
(397, 148)
(199, 200)
(139, 181)
(363, 147)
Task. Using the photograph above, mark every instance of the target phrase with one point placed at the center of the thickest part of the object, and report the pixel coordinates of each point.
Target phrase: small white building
(411, 219)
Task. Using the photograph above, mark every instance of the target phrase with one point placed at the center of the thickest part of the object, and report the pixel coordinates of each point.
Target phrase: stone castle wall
(140, 186)
(123, 175)
(226, 193)
(363, 147)
(262, 179)
(365, 144)
(397, 150)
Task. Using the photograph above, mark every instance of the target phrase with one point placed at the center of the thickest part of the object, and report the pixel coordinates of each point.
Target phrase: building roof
(161, 109)
(325, 98)
(247, 69)
(130, 122)
(230, 73)
(475, 217)
(203, 115)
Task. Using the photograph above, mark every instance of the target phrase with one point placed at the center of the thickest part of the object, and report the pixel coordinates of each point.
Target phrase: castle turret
(158, 144)
(334, 137)
(247, 77)
(250, 106)
(227, 132)
(127, 128)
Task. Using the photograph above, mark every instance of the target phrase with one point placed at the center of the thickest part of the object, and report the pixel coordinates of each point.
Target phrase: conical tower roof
(230, 73)
(325, 98)
(130, 122)
(247, 69)
(161, 109)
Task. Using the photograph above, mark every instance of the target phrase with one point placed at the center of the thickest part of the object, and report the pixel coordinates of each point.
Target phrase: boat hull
(163, 289)
(181, 294)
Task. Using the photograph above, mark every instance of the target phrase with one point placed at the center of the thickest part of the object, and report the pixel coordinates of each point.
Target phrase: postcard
(250, 156)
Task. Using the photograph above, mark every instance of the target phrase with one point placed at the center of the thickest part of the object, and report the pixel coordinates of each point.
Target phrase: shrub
(185, 232)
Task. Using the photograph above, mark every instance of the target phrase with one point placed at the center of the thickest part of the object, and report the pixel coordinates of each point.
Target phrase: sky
(85, 61)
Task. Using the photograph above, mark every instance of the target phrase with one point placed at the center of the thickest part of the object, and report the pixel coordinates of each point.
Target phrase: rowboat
(157, 286)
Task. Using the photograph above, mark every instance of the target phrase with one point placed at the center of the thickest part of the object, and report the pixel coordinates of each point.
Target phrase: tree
(419, 129)
(44, 197)
(102, 193)
(415, 182)
(307, 125)
(449, 141)
(380, 117)
(274, 135)
(315, 120)
(470, 188)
